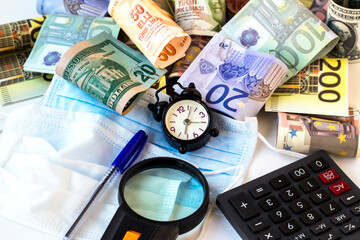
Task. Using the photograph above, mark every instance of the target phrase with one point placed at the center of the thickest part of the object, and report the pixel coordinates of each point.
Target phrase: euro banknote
(306, 134)
(78, 7)
(285, 29)
(345, 23)
(200, 17)
(61, 31)
(157, 36)
(320, 88)
(233, 80)
(19, 35)
(319, 8)
(307, 3)
(108, 70)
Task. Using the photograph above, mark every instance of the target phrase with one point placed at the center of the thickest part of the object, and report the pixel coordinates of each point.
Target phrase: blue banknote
(233, 80)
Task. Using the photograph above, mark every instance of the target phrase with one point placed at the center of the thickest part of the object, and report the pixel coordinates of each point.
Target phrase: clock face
(187, 119)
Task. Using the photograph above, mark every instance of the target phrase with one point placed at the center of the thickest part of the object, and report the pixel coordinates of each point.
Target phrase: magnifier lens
(164, 194)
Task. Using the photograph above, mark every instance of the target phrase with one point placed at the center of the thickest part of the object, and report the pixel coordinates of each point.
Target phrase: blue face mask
(232, 149)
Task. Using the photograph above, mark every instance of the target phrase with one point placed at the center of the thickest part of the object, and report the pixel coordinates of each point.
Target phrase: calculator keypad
(309, 199)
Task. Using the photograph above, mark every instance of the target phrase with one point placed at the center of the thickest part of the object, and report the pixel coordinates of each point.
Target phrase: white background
(264, 160)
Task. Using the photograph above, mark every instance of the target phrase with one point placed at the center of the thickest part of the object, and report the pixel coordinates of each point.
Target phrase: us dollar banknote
(157, 36)
(319, 8)
(306, 134)
(61, 31)
(233, 80)
(283, 28)
(19, 35)
(200, 17)
(75, 7)
(345, 23)
(108, 70)
(320, 88)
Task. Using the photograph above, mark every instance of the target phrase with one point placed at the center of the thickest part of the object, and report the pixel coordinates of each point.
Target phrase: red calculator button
(339, 187)
(328, 176)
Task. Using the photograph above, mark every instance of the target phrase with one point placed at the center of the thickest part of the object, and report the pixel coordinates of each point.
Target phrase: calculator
(309, 199)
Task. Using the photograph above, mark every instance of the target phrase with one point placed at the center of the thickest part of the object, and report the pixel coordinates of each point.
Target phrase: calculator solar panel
(309, 199)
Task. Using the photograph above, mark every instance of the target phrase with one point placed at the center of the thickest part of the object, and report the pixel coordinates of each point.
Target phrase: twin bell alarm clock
(186, 120)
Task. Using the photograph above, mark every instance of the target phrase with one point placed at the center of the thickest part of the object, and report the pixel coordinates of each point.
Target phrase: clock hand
(188, 121)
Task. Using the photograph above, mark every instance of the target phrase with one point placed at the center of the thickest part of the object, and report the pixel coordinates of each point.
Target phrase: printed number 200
(223, 98)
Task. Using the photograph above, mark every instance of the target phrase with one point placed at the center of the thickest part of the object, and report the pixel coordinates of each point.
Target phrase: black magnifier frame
(126, 219)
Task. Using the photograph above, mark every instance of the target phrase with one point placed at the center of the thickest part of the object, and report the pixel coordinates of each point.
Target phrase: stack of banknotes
(290, 56)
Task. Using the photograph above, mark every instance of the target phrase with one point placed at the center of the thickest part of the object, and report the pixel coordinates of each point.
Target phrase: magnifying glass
(160, 198)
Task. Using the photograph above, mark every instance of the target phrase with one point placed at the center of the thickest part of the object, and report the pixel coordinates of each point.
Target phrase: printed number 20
(226, 103)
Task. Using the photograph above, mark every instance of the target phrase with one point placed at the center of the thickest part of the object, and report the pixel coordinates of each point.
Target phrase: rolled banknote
(197, 44)
(320, 88)
(167, 6)
(234, 6)
(61, 31)
(157, 36)
(200, 17)
(305, 134)
(283, 28)
(345, 23)
(75, 7)
(233, 80)
(108, 70)
(319, 8)
(19, 35)
(307, 3)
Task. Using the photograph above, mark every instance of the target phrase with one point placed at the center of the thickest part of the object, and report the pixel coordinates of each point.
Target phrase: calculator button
(329, 176)
(258, 224)
(260, 191)
(269, 203)
(350, 227)
(289, 194)
(279, 215)
(330, 208)
(339, 187)
(319, 197)
(332, 235)
(299, 173)
(300, 236)
(320, 228)
(269, 235)
(309, 185)
(340, 218)
(289, 227)
(243, 205)
(318, 165)
(310, 217)
(299, 206)
(279, 182)
(356, 210)
(349, 198)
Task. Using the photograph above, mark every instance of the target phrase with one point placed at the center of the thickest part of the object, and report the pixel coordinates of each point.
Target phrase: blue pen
(121, 163)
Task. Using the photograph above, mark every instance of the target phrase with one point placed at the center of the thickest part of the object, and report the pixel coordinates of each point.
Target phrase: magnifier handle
(124, 226)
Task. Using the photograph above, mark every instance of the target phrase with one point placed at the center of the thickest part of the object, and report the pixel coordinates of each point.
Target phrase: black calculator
(309, 199)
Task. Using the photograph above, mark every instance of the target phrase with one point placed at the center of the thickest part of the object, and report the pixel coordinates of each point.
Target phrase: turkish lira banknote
(233, 80)
(168, 6)
(320, 8)
(345, 23)
(283, 28)
(320, 88)
(108, 70)
(157, 36)
(200, 17)
(306, 134)
(19, 35)
(61, 31)
(75, 7)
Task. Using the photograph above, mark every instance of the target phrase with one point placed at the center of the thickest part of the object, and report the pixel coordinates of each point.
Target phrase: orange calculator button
(132, 235)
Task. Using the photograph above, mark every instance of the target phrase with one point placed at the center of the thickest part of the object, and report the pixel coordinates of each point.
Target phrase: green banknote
(61, 31)
(108, 70)
(283, 28)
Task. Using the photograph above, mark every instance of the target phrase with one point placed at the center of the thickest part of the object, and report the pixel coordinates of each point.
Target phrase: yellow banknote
(320, 88)
(157, 36)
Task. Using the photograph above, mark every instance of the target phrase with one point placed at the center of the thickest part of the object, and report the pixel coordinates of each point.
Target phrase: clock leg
(182, 149)
(214, 132)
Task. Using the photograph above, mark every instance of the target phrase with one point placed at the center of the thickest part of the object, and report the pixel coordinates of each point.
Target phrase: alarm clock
(186, 120)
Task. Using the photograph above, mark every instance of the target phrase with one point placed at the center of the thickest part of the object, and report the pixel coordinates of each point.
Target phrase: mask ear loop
(3, 116)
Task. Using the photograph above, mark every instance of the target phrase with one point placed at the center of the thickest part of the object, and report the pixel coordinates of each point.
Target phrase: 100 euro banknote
(234, 80)
(283, 28)
(108, 70)
(320, 88)
(61, 31)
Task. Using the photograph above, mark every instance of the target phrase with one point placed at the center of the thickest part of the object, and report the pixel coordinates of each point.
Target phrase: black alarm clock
(186, 120)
